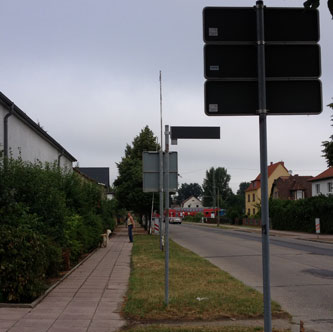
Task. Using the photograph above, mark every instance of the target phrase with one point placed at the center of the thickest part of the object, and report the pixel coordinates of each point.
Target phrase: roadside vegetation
(198, 290)
(49, 218)
(300, 215)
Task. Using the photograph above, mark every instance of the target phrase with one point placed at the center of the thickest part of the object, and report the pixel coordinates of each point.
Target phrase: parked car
(175, 220)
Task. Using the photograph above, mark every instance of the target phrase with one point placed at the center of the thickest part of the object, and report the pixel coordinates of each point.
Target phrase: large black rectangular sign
(285, 97)
(240, 61)
(238, 24)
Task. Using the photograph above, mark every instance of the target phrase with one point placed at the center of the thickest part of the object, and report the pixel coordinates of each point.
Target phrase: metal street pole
(166, 228)
(218, 207)
(263, 165)
(161, 168)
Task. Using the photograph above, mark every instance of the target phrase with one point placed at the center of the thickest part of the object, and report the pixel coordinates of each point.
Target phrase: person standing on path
(130, 226)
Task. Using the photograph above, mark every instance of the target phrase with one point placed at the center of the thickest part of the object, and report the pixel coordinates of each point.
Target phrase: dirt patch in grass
(198, 290)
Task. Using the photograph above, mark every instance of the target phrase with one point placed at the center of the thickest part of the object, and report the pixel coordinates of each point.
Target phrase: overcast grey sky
(88, 71)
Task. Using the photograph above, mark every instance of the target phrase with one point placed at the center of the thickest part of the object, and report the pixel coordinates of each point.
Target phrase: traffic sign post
(262, 61)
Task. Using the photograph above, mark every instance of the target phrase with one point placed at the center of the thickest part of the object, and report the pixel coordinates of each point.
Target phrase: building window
(318, 188)
(248, 198)
(330, 187)
(197, 206)
(249, 212)
(254, 211)
(253, 197)
(299, 194)
(189, 205)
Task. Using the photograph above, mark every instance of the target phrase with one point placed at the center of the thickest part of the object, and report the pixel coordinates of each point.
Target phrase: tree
(128, 185)
(242, 187)
(316, 3)
(216, 183)
(328, 146)
(187, 190)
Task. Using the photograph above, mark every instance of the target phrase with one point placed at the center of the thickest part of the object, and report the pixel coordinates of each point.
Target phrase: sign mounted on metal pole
(151, 171)
(194, 133)
(292, 61)
(262, 61)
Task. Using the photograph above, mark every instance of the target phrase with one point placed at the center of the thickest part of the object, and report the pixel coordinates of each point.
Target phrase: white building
(21, 137)
(322, 184)
(192, 202)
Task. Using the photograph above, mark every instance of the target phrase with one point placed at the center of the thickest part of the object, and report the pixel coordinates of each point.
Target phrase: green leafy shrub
(57, 217)
(23, 256)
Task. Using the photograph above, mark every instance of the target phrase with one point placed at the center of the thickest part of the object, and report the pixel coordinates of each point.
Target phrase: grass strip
(198, 290)
(161, 328)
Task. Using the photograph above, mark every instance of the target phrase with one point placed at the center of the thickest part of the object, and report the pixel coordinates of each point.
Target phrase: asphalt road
(301, 271)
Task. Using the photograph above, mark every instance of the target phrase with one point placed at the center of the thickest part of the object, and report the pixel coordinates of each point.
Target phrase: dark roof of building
(99, 174)
(270, 169)
(7, 103)
(288, 184)
(324, 175)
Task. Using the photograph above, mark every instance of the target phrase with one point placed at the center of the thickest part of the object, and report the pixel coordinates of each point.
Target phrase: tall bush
(300, 215)
(49, 216)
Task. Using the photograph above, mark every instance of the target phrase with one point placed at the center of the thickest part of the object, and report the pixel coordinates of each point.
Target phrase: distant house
(253, 192)
(21, 137)
(322, 184)
(291, 187)
(192, 202)
(99, 174)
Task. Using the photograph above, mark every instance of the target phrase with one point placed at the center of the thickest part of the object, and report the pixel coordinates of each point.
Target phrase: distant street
(301, 271)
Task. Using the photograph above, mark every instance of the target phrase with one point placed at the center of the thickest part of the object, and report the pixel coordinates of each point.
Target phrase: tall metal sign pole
(166, 228)
(263, 164)
(161, 167)
(242, 80)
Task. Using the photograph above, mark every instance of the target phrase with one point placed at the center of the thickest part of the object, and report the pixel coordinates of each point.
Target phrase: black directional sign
(238, 24)
(240, 61)
(284, 97)
(195, 132)
(291, 60)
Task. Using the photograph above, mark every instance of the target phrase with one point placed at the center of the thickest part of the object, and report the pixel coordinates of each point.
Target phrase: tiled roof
(99, 174)
(324, 175)
(270, 169)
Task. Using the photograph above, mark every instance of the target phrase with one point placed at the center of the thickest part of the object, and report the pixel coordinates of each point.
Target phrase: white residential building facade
(322, 184)
(21, 137)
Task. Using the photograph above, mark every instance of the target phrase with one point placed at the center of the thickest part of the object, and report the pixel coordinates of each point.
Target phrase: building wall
(323, 187)
(25, 142)
(252, 205)
(192, 202)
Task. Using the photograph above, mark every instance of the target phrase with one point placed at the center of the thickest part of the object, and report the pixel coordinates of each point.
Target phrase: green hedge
(49, 218)
(300, 215)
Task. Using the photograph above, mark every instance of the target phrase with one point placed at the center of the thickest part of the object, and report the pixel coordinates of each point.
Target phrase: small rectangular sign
(195, 133)
(284, 97)
(282, 60)
(282, 24)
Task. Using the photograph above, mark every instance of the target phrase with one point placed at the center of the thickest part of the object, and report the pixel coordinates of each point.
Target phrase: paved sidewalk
(89, 300)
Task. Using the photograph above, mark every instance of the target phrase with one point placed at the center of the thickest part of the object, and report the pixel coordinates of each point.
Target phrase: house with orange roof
(253, 192)
(322, 184)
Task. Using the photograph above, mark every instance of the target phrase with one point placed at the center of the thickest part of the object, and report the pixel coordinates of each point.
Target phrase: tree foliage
(187, 190)
(216, 184)
(328, 147)
(128, 185)
(316, 3)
